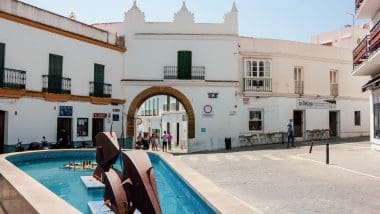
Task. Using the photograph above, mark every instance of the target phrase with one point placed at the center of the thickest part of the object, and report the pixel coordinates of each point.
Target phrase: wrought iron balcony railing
(358, 3)
(361, 52)
(56, 84)
(100, 89)
(197, 72)
(298, 87)
(255, 84)
(12, 78)
(374, 43)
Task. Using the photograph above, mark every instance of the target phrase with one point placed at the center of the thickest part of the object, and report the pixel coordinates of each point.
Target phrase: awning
(372, 84)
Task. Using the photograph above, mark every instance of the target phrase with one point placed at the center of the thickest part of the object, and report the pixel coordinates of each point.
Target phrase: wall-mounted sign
(315, 104)
(65, 111)
(208, 111)
(100, 115)
(203, 130)
(246, 100)
(212, 95)
(115, 117)
(115, 110)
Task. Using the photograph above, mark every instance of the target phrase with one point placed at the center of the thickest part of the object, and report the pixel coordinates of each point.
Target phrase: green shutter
(2, 59)
(98, 80)
(184, 64)
(55, 73)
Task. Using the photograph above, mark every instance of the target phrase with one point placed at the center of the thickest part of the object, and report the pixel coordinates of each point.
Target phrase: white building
(233, 87)
(163, 113)
(347, 37)
(366, 58)
(48, 63)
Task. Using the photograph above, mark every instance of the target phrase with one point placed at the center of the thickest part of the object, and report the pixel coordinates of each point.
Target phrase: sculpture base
(98, 207)
(91, 183)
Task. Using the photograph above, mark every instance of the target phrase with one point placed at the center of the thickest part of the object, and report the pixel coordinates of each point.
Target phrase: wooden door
(333, 120)
(184, 64)
(64, 124)
(298, 123)
(97, 126)
(2, 130)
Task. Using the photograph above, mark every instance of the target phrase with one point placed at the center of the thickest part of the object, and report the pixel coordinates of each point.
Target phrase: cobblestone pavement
(273, 179)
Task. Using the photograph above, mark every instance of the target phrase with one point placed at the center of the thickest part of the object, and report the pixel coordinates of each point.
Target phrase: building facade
(366, 57)
(229, 86)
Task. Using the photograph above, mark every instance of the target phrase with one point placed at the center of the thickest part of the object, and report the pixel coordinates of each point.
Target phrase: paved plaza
(273, 179)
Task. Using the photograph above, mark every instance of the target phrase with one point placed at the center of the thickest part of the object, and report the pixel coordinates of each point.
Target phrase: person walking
(170, 137)
(164, 142)
(153, 142)
(290, 133)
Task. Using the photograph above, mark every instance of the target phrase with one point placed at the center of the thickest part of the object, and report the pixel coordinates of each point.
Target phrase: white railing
(256, 84)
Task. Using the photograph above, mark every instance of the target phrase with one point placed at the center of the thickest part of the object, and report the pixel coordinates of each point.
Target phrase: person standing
(290, 133)
(145, 141)
(164, 142)
(170, 137)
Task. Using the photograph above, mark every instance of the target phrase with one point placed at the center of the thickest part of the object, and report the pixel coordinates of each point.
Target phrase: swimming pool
(46, 167)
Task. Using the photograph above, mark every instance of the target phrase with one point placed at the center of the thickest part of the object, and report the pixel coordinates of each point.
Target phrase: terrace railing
(12, 78)
(197, 72)
(374, 43)
(361, 52)
(56, 84)
(257, 84)
(100, 89)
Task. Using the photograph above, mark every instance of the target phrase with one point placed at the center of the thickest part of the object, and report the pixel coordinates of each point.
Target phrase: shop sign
(65, 111)
(100, 115)
(115, 110)
(315, 104)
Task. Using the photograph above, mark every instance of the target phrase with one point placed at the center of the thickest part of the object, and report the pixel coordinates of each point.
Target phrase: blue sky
(295, 20)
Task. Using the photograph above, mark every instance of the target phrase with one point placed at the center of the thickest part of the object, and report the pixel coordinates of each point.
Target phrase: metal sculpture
(132, 188)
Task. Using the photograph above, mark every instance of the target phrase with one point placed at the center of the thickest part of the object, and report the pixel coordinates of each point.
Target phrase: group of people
(146, 141)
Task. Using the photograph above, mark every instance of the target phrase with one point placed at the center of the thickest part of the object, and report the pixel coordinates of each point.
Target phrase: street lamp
(353, 28)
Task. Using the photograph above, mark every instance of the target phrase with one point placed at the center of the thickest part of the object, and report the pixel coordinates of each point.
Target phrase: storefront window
(82, 127)
(256, 120)
(376, 110)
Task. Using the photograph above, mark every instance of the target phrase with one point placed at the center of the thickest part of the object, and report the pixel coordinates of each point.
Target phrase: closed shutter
(2, 59)
(184, 64)
(98, 80)
(55, 73)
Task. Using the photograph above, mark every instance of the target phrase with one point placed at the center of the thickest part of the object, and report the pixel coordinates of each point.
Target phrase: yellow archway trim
(155, 91)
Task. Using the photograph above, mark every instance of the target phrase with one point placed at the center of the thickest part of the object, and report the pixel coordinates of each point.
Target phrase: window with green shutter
(184, 64)
(98, 80)
(55, 73)
(2, 59)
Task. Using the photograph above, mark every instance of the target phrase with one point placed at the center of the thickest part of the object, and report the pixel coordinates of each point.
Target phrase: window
(334, 83)
(98, 80)
(55, 73)
(82, 127)
(258, 68)
(357, 118)
(256, 120)
(376, 111)
(298, 80)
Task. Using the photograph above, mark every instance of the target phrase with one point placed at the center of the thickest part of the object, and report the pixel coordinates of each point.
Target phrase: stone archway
(160, 90)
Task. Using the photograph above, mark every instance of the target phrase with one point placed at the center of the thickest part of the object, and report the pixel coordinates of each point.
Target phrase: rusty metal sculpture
(132, 188)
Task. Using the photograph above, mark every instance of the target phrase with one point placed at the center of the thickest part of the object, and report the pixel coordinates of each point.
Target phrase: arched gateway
(160, 90)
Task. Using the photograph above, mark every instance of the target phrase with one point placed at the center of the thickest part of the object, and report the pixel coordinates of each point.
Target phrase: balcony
(56, 84)
(197, 72)
(100, 89)
(366, 9)
(334, 90)
(255, 84)
(366, 57)
(298, 87)
(11, 78)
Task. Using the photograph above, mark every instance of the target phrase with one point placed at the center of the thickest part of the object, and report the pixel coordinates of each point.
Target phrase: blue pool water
(175, 195)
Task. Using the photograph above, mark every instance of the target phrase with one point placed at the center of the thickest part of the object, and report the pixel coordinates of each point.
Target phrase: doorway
(334, 123)
(64, 124)
(177, 134)
(97, 126)
(2, 131)
(298, 123)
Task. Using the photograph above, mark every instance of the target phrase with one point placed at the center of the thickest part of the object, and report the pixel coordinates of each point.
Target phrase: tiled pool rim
(45, 201)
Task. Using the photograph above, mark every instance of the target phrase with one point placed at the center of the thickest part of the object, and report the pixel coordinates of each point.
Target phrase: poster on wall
(82, 127)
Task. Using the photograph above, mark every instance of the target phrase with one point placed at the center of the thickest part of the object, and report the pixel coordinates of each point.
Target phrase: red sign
(100, 115)
(139, 121)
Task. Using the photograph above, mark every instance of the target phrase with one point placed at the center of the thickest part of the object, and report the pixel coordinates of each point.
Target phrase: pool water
(47, 168)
